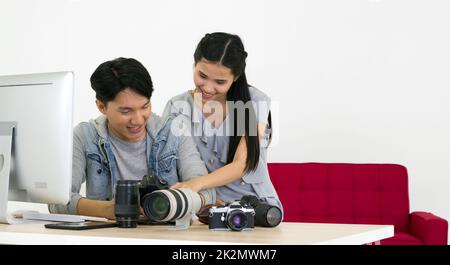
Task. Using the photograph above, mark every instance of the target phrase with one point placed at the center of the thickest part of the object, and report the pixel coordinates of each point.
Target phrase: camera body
(234, 216)
(149, 184)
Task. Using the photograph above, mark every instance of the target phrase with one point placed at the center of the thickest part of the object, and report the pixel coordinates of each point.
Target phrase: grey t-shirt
(131, 158)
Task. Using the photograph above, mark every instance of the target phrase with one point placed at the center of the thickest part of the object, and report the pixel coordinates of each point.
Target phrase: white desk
(199, 234)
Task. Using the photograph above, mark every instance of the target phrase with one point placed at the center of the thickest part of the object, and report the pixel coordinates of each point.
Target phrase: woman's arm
(190, 166)
(226, 174)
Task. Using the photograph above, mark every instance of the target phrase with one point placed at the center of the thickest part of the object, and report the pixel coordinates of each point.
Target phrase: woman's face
(212, 80)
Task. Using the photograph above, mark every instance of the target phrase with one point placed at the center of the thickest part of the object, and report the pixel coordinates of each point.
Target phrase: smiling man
(126, 142)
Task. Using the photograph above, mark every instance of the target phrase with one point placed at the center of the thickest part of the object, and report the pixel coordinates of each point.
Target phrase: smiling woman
(230, 122)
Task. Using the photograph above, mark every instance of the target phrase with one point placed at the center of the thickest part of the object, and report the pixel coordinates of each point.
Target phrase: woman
(233, 145)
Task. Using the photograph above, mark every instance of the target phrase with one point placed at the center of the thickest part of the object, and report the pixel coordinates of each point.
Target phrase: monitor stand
(6, 135)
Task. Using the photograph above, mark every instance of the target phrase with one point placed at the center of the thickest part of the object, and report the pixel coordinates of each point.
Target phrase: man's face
(127, 115)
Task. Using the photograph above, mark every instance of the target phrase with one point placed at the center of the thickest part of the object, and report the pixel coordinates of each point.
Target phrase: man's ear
(101, 107)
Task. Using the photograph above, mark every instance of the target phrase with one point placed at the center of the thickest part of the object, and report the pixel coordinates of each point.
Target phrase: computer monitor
(35, 139)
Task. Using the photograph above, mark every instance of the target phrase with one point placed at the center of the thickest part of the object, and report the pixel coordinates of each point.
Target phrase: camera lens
(159, 206)
(267, 215)
(127, 203)
(171, 204)
(236, 220)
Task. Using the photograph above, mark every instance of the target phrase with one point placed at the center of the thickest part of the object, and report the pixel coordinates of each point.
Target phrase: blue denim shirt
(172, 157)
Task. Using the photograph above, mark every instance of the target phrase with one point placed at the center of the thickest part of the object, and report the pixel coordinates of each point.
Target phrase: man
(126, 142)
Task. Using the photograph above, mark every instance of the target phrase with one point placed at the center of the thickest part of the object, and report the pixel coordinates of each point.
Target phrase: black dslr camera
(234, 216)
(164, 205)
(149, 184)
(130, 194)
(160, 203)
(265, 214)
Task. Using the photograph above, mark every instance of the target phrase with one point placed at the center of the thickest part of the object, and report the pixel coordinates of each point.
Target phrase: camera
(163, 205)
(126, 205)
(265, 214)
(234, 216)
(149, 184)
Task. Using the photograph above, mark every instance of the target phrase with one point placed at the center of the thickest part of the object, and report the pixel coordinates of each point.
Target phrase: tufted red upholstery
(353, 193)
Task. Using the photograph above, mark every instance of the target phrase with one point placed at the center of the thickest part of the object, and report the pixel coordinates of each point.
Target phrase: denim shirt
(172, 157)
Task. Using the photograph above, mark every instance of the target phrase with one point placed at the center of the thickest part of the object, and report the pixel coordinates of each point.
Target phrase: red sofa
(355, 193)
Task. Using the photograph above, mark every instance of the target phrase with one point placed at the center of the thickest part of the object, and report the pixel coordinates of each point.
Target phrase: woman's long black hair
(228, 50)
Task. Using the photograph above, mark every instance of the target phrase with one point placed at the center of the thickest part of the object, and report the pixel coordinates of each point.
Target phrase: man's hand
(109, 211)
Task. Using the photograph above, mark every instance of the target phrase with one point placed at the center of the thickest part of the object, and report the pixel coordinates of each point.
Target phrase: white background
(352, 80)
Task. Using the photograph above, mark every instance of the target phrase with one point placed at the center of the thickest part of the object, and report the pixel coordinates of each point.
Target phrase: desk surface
(285, 233)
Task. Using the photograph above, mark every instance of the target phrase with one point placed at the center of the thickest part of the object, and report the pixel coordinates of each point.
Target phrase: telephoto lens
(172, 204)
(127, 203)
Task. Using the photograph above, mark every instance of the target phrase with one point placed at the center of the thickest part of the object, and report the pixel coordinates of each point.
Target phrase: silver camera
(234, 216)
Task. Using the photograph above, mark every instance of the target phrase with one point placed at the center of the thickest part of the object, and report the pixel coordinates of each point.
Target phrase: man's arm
(78, 204)
(78, 175)
(96, 208)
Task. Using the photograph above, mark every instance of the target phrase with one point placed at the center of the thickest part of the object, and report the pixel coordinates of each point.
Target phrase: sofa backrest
(343, 193)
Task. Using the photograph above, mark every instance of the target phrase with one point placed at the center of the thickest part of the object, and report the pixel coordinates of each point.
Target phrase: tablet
(80, 225)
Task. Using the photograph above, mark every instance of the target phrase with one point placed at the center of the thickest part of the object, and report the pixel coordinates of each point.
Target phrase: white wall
(355, 81)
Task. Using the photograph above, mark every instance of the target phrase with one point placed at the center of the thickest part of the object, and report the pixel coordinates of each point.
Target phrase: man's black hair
(112, 77)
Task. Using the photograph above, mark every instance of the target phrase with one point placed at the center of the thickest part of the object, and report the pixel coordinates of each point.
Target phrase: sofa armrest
(429, 228)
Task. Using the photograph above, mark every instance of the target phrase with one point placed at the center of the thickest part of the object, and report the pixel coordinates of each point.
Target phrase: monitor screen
(36, 138)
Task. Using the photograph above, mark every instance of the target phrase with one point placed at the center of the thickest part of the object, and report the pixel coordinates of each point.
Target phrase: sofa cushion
(343, 193)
